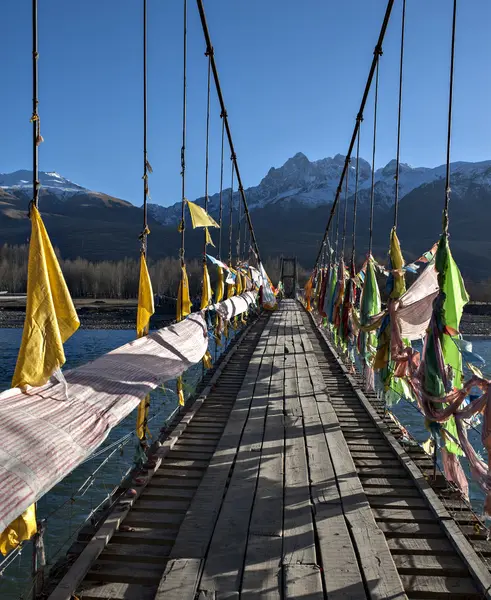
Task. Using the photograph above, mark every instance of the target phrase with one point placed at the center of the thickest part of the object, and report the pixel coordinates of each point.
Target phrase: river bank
(121, 314)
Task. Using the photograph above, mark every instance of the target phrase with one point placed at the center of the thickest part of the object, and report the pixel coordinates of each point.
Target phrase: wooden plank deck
(299, 489)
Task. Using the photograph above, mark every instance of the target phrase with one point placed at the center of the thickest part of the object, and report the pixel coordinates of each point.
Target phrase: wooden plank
(224, 562)
(460, 588)
(117, 571)
(375, 559)
(417, 564)
(341, 571)
(301, 581)
(262, 564)
(196, 529)
(180, 579)
(420, 546)
(95, 590)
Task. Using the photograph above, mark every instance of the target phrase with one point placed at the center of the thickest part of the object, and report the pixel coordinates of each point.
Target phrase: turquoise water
(64, 515)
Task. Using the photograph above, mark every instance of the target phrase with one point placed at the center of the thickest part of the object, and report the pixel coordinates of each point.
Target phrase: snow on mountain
(50, 181)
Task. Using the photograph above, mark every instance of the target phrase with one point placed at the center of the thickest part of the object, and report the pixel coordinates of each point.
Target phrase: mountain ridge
(290, 207)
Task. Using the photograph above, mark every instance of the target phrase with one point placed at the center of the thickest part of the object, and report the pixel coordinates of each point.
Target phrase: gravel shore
(125, 318)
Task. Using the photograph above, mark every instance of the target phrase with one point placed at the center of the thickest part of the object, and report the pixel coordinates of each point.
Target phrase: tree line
(112, 279)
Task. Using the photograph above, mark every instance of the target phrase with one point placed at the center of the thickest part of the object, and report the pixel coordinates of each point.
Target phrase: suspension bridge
(286, 475)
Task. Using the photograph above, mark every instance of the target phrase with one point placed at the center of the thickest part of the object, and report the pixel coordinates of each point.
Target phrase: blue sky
(292, 75)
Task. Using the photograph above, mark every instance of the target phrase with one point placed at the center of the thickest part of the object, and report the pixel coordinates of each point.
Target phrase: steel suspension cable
(221, 192)
(399, 114)
(231, 217)
(346, 182)
(36, 135)
(377, 51)
(145, 155)
(374, 148)
(449, 125)
(209, 46)
(239, 225)
(336, 255)
(355, 199)
(183, 149)
(207, 148)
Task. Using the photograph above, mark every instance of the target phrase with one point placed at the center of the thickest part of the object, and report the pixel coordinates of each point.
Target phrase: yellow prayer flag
(208, 238)
(230, 290)
(206, 293)
(238, 284)
(180, 391)
(142, 418)
(183, 300)
(207, 362)
(199, 216)
(22, 528)
(51, 317)
(145, 300)
(220, 285)
(397, 264)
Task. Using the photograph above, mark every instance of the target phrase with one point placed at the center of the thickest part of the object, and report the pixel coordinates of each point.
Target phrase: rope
(337, 235)
(355, 200)
(239, 218)
(399, 114)
(231, 222)
(374, 147)
(36, 136)
(221, 191)
(145, 155)
(207, 147)
(346, 183)
(209, 46)
(449, 128)
(368, 84)
(183, 147)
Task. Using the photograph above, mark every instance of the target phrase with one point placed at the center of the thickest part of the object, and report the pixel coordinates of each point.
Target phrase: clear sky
(292, 73)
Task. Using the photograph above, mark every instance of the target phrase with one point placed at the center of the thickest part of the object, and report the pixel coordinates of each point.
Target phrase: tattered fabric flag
(217, 262)
(199, 216)
(208, 239)
(142, 418)
(396, 284)
(183, 300)
(322, 297)
(144, 311)
(308, 291)
(220, 285)
(145, 299)
(330, 296)
(395, 287)
(207, 362)
(180, 391)
(50, 320)
(206, 293)
(443, 360)
(370, 305)
(345, 329)
(338, 297)
(22, 528)
(238, 285)
(428, 256)
(230, 290)
(51, 317)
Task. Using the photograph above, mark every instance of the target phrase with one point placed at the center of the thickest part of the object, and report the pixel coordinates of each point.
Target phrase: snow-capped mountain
(314, 183)
(50, 181)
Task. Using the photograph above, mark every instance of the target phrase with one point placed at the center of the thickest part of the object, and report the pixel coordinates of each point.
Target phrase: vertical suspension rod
(376, 53)
(209, 49)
